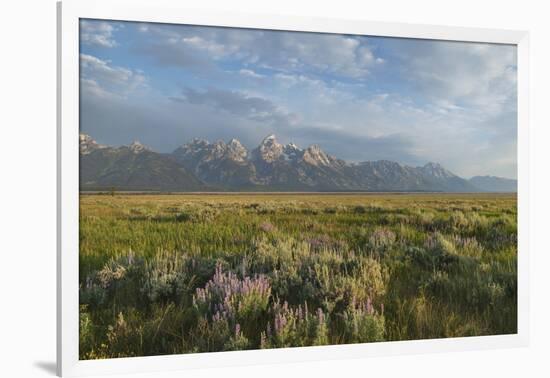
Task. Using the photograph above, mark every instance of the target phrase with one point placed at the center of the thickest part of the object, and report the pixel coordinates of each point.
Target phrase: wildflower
(267, 227)
(320, 316)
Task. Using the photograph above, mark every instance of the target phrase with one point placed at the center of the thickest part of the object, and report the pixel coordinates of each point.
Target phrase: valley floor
(199, 272)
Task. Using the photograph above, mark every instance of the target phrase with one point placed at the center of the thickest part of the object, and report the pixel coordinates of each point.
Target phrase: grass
(187, 273)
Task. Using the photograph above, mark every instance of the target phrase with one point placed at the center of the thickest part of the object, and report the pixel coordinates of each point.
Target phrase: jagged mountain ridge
(201, 165)
(132, 167)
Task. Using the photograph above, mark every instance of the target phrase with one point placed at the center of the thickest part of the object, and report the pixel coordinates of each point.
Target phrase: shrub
(359, 209)
(381, 240)
(168, 277)
(363, 324)
(293, 327)
(228, 298)
(267, 227)
(217, 274)
(183, 217)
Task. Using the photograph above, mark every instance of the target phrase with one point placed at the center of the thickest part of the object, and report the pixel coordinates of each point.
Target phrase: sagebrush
(170, 274)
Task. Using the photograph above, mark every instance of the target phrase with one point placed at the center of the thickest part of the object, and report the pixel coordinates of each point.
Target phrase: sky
(359, 97)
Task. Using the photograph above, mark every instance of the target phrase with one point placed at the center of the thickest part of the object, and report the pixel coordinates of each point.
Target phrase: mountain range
(203, 166)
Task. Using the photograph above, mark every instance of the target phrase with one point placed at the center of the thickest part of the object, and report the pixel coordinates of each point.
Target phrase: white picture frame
(168, 11)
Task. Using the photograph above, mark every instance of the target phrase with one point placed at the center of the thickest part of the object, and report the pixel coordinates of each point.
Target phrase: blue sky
(360, 98)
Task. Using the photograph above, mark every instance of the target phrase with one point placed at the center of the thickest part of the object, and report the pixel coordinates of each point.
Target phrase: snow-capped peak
(234, 142)
(199, 142)
(136, 147)
(316, 156)
(270, 150)
(236, 151)
(87, 144)
(270, 137)
(292, 146)
(292, 151)
(84, 137)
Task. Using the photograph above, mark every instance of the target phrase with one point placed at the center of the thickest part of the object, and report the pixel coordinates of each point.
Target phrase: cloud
(281, 51)
(357, 147)
(476, 75)
(179, 46)
(360, 98)
(91, 88)
(165, 125)
(239, 104)
(339, 55)
(100, 78)
(176, 54)
(310, 92)
(97, 33)
(250, 73)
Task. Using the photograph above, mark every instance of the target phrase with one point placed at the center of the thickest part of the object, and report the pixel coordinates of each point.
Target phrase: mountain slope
(287, 167)
(271, 166)
(384, 175)
(494, 184)
(218, 164)
(440, 179)
(133, 167)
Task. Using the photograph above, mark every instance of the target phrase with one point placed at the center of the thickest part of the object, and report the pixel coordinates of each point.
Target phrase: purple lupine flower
(225, 292)
(300, 313)
(370, 309)
(216, 317)
(278, 323)
(320, 316)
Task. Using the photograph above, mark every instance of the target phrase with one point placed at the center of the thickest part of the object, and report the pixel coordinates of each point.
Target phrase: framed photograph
(239, 187)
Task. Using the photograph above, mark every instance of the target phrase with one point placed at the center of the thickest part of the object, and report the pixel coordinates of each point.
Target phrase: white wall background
(27, 185)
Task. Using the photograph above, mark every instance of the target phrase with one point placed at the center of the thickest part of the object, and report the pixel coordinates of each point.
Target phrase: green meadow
(188, 273)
